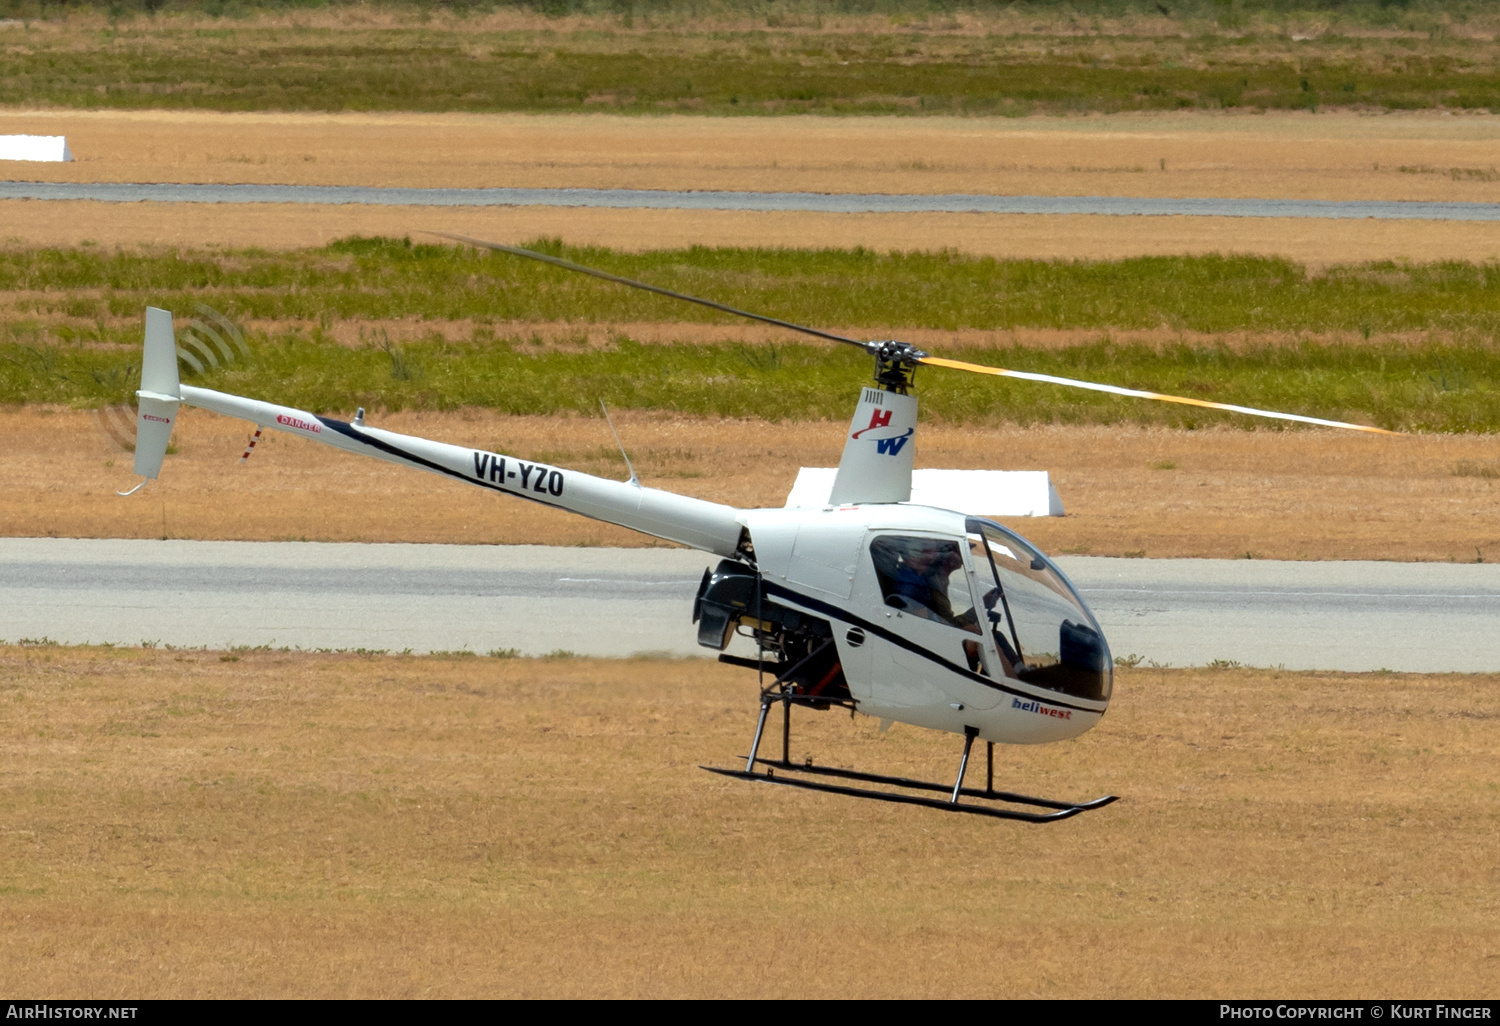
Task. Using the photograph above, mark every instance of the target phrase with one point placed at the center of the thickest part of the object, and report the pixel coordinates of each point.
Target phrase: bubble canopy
(1041, 626)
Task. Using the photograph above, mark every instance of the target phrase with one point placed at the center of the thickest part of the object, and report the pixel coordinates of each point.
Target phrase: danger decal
(300, 424)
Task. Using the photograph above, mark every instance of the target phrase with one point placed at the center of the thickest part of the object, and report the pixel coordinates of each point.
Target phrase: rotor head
(895, 364)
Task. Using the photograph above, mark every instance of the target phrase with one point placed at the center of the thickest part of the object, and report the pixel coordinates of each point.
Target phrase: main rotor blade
(932, 361)
(569, 265)
(976, 368)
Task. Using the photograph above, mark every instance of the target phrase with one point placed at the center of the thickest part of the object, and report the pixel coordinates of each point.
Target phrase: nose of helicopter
(1041, 625)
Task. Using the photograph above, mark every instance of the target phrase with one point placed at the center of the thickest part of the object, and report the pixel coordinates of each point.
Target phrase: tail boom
(697, 523)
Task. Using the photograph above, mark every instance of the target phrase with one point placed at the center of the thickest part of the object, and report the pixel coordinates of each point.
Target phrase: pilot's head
(934, 557)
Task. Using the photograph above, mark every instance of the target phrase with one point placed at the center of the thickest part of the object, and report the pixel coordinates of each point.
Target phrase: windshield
(1040, 624)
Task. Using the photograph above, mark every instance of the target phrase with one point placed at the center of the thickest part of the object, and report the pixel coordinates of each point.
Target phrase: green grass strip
(1452, 388)
(380, 279)
(253, 65)
(1444, 378)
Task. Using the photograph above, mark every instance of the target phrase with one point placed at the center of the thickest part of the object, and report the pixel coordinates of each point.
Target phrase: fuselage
(938, 619)
(985, 632)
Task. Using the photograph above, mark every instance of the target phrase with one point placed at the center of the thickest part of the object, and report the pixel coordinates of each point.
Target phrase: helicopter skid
(1061, 810)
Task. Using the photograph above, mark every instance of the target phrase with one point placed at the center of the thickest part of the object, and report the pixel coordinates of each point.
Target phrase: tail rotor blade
(1136, 393)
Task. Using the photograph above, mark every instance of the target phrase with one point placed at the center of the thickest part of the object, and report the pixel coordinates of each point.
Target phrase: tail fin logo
(893, 446)
(878, 419)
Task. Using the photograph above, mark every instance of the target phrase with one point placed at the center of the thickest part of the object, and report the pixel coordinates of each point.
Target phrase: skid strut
(805, 776)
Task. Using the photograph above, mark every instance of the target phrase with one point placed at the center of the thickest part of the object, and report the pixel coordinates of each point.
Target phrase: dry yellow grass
(1313, 241)
(1330, 156)
(1287, 495)
(295, 826)
(1292, 155)
(1477, 24)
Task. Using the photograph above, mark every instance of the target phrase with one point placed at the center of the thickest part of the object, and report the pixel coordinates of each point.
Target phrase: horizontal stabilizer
(994, 493)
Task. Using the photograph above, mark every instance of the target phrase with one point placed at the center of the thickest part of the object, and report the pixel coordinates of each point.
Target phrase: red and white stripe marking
(251, 447)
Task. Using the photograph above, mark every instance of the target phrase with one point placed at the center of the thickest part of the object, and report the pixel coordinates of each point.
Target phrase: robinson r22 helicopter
(926, 616)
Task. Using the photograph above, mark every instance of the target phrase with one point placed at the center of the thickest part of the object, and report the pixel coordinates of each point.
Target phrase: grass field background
(383, 278)
(1399, 345)
(897, 59)
(279, 825)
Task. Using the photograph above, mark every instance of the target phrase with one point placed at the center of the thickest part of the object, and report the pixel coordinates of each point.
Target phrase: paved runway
(1337, 615)
(841, 203)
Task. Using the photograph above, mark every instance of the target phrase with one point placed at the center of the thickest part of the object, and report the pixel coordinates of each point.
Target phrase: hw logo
(885, 446)
(878, 419)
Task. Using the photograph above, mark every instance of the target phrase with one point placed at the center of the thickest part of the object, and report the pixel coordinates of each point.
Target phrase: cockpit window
(1040, 624)
(924, 577)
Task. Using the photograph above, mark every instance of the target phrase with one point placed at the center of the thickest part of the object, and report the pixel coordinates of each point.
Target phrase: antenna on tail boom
(610, 421)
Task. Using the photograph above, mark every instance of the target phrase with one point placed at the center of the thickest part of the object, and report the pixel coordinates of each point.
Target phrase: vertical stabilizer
(156, 413)
(877, 460)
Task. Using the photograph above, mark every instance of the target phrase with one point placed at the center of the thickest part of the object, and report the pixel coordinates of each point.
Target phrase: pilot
(921, 577)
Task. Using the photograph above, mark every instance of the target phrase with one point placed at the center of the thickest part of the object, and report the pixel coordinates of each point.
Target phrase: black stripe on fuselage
(347, 430)
(836, 612)
(843, 615)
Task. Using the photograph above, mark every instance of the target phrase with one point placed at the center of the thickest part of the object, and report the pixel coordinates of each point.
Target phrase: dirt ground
(1330, 156)
(1292, 155)
(1005, 236)
(1221, 493)
(288, 825)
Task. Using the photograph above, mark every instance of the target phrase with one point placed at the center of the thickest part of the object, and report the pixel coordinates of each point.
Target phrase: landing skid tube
(1061, 810)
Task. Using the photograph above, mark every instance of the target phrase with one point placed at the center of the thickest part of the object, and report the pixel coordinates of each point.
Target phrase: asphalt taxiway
(1426, 617)
(836, 203)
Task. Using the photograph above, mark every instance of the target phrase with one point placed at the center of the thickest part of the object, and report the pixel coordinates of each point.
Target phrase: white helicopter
(910, 613)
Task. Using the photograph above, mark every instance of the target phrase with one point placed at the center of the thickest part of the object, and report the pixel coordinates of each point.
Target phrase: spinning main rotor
(896, 362)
